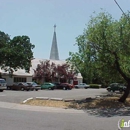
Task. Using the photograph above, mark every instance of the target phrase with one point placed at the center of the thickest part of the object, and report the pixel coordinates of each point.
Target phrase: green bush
(95, 86)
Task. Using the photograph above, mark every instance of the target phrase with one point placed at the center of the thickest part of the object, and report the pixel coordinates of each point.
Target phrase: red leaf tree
(50, 72)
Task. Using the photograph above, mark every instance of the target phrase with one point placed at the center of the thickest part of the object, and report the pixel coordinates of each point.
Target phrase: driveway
(19, 96)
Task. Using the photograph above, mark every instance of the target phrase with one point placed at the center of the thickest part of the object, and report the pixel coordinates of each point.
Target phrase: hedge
(95, 86)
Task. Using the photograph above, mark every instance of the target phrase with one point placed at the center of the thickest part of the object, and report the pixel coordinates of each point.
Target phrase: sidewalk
(38, 108)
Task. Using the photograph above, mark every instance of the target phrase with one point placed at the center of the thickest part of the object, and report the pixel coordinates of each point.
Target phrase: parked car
(49, 86)
(20, 86)
(34, 85)
(82, 85)
(63, 86)
(2, 85)
(57, 85)
(116, 87)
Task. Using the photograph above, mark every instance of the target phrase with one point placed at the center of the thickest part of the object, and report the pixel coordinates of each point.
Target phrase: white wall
(10, 81)
(29, 79)
(80, 80)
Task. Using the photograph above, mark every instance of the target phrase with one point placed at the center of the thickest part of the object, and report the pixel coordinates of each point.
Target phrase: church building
(21, 76)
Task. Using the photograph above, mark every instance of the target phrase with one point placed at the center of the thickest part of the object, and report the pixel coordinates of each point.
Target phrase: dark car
(20, 86)
(63, 86)
(34, 85)
(116, 87)
(57, 85)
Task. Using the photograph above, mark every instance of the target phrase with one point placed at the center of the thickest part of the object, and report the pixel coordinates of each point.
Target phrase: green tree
(4, 40)
(84, 61)
(16, 53)
(108, 44)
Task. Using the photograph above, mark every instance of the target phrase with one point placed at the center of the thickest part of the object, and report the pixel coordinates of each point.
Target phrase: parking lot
(19, 96)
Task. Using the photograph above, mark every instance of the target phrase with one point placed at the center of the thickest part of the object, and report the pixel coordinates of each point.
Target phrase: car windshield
(31, 83)
(56, 83)
(34, 83)
(25, 84)
(2, 81)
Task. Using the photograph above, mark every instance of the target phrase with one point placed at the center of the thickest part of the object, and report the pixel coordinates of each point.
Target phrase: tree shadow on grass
(109, 112)
(103, 107)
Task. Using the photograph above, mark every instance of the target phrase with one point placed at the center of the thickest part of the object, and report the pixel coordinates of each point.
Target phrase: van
(2, 85)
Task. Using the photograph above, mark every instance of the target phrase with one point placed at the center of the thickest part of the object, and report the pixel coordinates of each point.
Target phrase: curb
(47, 98)
(56, 99)
(42, 98)
(27, 100)
(68, 100)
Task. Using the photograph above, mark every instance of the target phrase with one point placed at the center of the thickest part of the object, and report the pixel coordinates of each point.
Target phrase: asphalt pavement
(19, 96)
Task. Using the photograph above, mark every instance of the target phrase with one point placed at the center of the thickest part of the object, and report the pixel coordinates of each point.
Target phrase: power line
(120, 7)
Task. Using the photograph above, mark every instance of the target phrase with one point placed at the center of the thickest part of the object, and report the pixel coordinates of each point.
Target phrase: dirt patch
(48, 103)
(107, 102)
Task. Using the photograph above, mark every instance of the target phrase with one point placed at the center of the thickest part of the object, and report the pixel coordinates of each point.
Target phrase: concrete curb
(56, 99)
(68, 100)
(47, 98)
(42, 98)
(27, 100)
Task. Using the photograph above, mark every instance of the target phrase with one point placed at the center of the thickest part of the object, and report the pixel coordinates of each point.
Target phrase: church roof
(35, 62)
(19, 72)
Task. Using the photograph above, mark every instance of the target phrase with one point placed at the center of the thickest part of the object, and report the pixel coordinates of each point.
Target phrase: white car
(2, 85)
(82, 85)
(34, 85)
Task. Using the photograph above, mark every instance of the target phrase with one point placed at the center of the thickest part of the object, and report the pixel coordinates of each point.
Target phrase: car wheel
(64, 88)
(121, 90)
(49, 88)
(76, 87)
(85, 87)
(36, 89)
(109, 90)
(8, 88)
(22, 89)
(1, 90)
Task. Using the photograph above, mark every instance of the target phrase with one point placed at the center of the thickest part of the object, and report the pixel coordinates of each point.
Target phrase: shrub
(95, 86)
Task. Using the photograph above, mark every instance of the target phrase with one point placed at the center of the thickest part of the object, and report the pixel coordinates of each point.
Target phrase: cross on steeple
(54, 27)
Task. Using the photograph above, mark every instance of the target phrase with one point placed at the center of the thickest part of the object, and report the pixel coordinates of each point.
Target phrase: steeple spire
(54, 55)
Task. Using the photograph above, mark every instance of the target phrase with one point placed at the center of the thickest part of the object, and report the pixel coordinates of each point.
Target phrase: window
(19, 79)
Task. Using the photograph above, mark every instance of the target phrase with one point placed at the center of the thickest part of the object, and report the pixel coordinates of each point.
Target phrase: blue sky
(36, 18)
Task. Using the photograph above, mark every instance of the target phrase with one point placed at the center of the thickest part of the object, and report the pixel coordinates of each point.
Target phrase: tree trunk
(126, 94)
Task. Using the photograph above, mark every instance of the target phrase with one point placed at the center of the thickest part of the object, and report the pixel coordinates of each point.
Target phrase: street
(13, 119)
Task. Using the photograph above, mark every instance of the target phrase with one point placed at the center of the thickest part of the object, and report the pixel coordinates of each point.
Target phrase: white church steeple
(54, 55)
